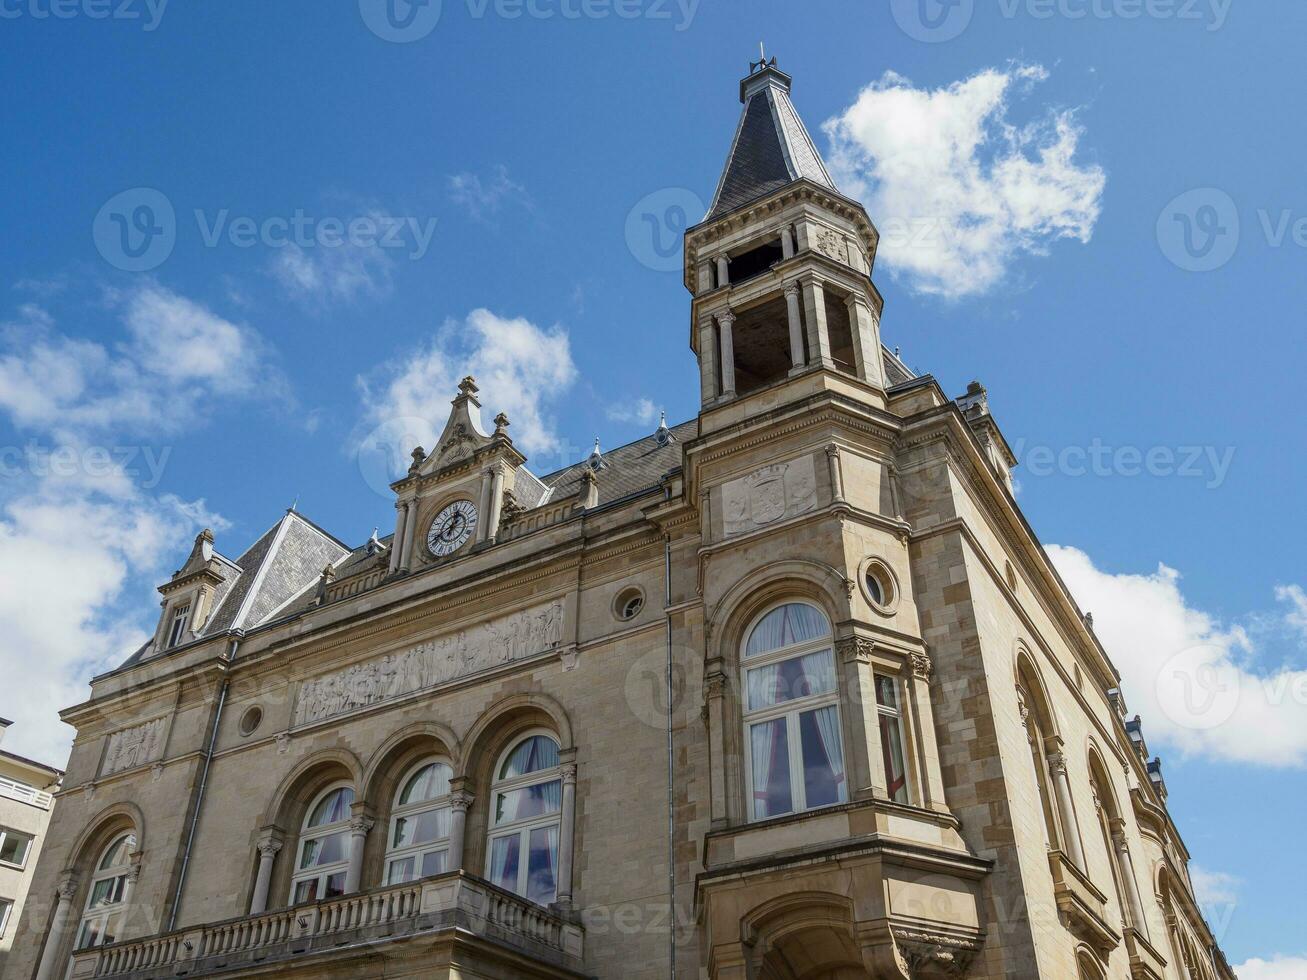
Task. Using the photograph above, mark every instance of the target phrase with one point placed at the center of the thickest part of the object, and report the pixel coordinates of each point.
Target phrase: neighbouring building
(26, 801)
(788, 690)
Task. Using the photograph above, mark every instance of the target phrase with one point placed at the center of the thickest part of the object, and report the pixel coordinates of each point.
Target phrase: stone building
(789, 690)
(26, 801)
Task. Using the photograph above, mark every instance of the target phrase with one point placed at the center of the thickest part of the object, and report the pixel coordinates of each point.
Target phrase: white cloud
(641, 411)
(1213, 887)
(1276, 968)
(484, 198)
(957, 189)
(175, 355)
(1194, 680)
(521, 369)
(344, 273)
(1296, 617)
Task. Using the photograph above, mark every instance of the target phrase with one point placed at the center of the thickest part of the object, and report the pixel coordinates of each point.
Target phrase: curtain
(791, 679)
(542, 883)
(771, 783)
(828, 729)
(785, 626)
(503, 861)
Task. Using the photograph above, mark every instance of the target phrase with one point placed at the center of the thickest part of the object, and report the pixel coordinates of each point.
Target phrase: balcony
(447, 923)
(25, 794)
(1082, 907)
(1146, 963)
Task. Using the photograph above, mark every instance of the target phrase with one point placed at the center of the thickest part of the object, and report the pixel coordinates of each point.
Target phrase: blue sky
(1041, 169)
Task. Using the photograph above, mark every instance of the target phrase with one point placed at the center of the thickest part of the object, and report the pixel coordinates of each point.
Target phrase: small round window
(628, 604)
(251, 720)
(878, 585)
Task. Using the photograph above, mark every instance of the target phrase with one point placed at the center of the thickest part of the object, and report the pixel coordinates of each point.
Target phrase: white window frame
(321, 872)
(409, 812)
(27, 853)
(118, 874)
(523, 829)
(790, 711)
(181, 617)
(6, 910)
(896, 716)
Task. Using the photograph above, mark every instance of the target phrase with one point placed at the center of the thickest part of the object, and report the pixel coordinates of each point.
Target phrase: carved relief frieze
(768, 495)
(132, 747)
(431, 663)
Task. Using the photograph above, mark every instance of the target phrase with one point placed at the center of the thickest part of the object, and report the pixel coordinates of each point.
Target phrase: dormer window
(180, 618)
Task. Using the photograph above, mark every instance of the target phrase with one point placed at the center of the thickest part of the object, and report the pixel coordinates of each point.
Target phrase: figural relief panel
(134, 747)
(768, 495)
(481, 647)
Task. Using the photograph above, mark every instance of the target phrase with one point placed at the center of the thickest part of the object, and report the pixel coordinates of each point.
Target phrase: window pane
(769, 743)
(421, 828)
(400, 871)
(14, 848)
(102, 893)
(333, 808)
(541, 883)
(119, 854)
(823, 758)
(433, 863)
(791, 679)
(429, 783)
(528, 802)
(306, 891)
(785, 626)
(533, 755)
(90, 934)
(324, 850)
(109, 934)
(891, 744)
(887, 692)
(335, 885)
(503, 861)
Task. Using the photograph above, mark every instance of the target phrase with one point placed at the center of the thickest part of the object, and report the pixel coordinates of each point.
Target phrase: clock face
(452, 528)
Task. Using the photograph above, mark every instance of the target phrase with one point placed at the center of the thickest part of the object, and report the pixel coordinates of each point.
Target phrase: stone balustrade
(454, 901)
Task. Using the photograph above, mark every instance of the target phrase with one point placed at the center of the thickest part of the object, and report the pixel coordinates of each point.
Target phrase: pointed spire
(772, 147)
(664, 435)
(596, 460)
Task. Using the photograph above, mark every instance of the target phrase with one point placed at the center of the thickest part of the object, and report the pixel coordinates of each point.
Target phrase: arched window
(107, 900)
(526, 801)
(791, 714)
(324, 847)
(418, 845)
(1039, 759)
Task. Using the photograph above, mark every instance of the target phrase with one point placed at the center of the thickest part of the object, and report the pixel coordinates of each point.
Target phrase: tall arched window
(107, 900)
(1035, 736)
(526, 802)
(791, 715)
(323, 858)
(418, 845)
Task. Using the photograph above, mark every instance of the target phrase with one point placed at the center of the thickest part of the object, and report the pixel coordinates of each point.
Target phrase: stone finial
(419, 457)
(467, 387)
(501, 425)
(589, 489)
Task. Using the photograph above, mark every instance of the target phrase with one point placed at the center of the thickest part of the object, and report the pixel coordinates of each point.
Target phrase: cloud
(483, 199)
(957, 189)
(1276, 968)
(174, 355)
(521, 369)
(1195, 681)
(1213, 887)
(641, 411)
(344, 273)
(1296, 617)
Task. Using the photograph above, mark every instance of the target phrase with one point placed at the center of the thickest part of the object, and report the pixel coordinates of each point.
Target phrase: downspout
(199, 797)
(671, 759)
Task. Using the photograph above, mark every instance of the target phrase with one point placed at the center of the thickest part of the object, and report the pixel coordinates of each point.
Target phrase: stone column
(923, 734)
(358, 837)
(1127, 867)
(565, 835)
(866, 341)
(269, 845)
(1066, 813)
(814, 307)
(725, 325)
(460, 801)
(863, 764)
(401, 533)
(715, 690)
(787, 242)
(792, 293)
(723, 272)
(836, 473)
(410, 519)
(707, 361)
(496, 503)
(54, 943)
(483, 503)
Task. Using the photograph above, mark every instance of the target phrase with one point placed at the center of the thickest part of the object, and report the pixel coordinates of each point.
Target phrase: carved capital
(360, 826)
(569, 774)
(269, 846)
(715, 686)
(921, 665)
(726, 318)
(461, 801)
(793, 289)
(1057, 763)
(67, 887)
(855, 648)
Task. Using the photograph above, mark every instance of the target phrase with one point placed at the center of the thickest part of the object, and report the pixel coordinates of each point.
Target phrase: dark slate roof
(628, 469)
(772, 147)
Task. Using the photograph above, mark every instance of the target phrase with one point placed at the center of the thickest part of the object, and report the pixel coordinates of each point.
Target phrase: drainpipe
(199, 798)
(671, 762)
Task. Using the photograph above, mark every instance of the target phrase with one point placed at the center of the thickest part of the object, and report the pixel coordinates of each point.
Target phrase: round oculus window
(251, 720)
(878, 585)
(628, 604)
